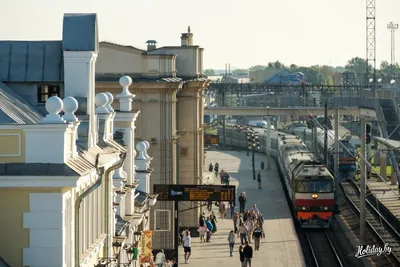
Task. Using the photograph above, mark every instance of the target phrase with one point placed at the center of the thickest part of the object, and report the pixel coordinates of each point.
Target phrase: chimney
(53, 136)
(151, 45)
(184, 39)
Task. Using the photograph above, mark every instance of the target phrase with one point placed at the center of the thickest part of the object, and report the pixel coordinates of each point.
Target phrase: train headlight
(324, 208)
(314, 196)
(303, 208)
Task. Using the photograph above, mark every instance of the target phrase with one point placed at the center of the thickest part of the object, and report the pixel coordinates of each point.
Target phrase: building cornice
(38, 181)
(127, 116)
(141, 87)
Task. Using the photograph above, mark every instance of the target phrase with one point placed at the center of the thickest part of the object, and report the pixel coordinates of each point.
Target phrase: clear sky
(242, 33)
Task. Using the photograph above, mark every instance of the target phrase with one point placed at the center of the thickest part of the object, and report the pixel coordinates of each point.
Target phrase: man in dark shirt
(248, 254)
(257, 234)
(242, 202)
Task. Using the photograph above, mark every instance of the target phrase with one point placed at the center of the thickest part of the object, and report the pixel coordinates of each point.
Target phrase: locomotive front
(313, 195)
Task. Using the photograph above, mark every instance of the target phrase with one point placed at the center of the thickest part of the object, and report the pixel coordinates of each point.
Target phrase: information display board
(179, 192)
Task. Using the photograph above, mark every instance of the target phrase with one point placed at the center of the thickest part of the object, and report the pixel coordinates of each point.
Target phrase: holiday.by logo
(371, 250)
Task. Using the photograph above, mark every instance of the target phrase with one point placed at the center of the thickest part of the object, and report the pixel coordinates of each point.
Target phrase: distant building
(285, 77)
(168, 84)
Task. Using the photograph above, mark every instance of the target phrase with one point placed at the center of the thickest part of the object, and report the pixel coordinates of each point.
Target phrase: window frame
(168, 228)
(42, 93)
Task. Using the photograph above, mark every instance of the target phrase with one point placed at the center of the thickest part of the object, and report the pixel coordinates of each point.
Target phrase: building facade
(76, 199)
(168, 86)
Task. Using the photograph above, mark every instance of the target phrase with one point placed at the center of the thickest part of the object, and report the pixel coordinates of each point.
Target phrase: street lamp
(130, 250)
(253, 144)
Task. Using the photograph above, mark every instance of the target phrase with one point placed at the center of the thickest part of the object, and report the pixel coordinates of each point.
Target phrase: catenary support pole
(315, 137)
(363, 181)
(268, 143)
(336, 159)
(326, 160)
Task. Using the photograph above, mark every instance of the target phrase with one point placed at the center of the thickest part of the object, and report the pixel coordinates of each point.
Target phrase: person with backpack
(222, 175)
(210, 167)
(226, 178)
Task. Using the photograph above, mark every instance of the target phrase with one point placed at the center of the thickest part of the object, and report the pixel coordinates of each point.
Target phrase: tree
(358, 65)
(240, 71)
(209, 72)
(257, 67)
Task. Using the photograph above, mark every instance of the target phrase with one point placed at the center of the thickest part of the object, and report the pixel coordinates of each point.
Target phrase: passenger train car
(347, 151)
(309, 183)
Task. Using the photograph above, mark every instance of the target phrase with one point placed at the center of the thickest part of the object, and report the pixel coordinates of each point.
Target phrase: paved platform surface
(280, 248)
(386, 196)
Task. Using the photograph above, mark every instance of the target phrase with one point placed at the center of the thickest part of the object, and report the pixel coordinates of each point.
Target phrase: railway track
(378, 225)
(322, 249)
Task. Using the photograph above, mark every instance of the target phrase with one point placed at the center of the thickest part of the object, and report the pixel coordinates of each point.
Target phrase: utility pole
(268, 143)
(326, 160)
(336, 167)
(363, 172)
(371, 40)
(393, 27)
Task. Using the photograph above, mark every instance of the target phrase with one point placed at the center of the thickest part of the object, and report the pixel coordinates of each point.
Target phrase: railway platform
(388, 195)
(281, 246)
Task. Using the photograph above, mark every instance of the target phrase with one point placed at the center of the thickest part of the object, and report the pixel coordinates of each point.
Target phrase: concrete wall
(113, 60)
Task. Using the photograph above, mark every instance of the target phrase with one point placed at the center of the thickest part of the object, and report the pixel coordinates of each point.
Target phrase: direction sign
(179, 192)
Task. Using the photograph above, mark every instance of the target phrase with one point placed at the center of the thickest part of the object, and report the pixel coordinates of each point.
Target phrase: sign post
(180, 192)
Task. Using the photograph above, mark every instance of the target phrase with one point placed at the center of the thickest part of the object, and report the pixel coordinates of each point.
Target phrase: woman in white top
(160, 258)
(187, 245)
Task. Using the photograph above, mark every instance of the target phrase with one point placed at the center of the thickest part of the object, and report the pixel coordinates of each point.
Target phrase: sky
(242, 33)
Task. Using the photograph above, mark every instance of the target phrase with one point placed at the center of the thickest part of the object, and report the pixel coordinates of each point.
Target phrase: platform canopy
(393, 144)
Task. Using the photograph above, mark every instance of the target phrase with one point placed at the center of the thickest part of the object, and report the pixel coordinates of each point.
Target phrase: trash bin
(262, 165)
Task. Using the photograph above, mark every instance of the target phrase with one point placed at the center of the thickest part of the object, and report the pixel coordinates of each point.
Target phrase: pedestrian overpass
(288, 111)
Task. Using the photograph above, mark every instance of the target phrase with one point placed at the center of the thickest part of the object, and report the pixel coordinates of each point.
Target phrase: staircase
(392, 119)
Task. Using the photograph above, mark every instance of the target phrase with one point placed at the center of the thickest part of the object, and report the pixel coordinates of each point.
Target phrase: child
(202, 230)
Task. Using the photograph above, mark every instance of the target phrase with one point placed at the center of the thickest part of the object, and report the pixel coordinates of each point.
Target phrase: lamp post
(130, 250)
(239, 129)
(253, 144)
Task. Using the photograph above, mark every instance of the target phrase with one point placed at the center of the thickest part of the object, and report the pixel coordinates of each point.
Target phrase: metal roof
(120, 225)
(80, 32)
(36, 169)
(18, 109)
(31, 61)
(388, 142)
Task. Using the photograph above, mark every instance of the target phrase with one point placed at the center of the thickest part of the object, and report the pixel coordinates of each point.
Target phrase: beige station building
(84, 135)
(168, 85)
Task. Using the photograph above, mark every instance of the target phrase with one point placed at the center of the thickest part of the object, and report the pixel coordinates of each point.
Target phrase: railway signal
(367, 134)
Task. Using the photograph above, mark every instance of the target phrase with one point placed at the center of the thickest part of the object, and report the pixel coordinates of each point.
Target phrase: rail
(393, 239)
(322, 249)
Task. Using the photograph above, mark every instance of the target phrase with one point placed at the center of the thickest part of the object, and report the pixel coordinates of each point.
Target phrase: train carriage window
(316, 186)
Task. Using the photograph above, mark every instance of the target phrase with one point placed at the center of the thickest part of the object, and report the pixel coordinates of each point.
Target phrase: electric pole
(371, 40)
(336, 158)
(363, 173)
(393, 27)
(326, 160)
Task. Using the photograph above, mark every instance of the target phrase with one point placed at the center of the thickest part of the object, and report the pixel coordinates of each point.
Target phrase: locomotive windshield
(314, 186)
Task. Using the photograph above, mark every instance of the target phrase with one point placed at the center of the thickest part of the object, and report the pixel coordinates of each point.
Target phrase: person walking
(241, 255)
(210, 229)
(231, 241)
(222, 175)
(243, 233)
(227, 178)
(213, 220)
(248, 254)
(232, 207)
(250, 228)
(210, 167)
(202, 219)
(187, 246)
(160, 259)
(260, 222)
(222, 210)
(242, 202)
(202, 232)
(209, 205)
(216, 168)
(257, 235)
(235, 221)
(259, 179)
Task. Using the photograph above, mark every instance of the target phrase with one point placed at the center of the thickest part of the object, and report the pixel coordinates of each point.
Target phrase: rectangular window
(162, 220)
(47, 91)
